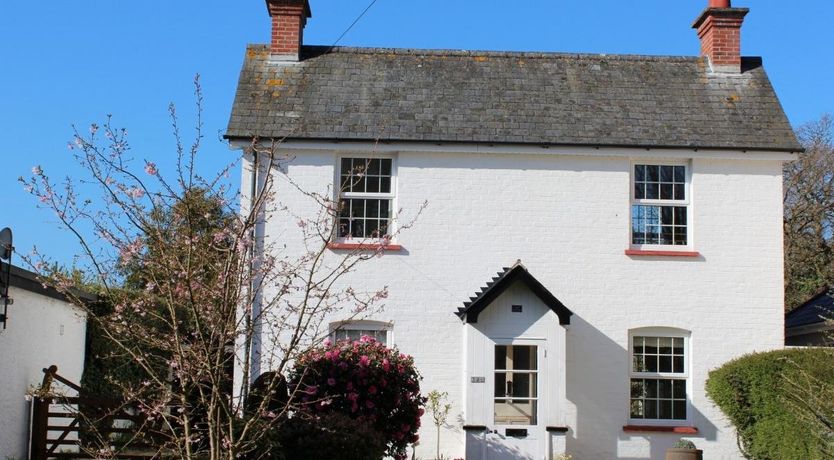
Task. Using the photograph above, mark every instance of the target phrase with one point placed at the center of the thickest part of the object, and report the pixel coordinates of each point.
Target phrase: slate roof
(503, 280)
(818, 309)
(507, 97)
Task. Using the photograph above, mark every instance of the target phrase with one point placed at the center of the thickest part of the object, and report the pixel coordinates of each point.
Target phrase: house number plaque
(478, 379)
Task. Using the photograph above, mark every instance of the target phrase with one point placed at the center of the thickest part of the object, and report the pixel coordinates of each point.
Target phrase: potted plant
(684, 449)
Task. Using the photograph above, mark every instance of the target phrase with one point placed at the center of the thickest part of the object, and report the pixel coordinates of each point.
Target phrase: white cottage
(601, 230)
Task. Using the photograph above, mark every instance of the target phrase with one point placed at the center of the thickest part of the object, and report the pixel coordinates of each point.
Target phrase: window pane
(666, 192)
(680, 174)
(524, 357)
(374, 167)
(344, 228)
(651, 408)
(678, 344)
(515, 412)
(500, 357)
(652, 173)
(385, 168)
(679, 192)
(652, 191)
(385, 185)
(680, 215)
(500, 384)
(345, 169)
(679, 410)
(665, 389)
(665, 411)
(639, 190)
(665, 345)
(677, 361)
(372, 208)
(666, 174)
(639, 173)
(373, 184)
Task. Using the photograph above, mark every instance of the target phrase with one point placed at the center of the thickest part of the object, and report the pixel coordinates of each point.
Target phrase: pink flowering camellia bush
(366, 381)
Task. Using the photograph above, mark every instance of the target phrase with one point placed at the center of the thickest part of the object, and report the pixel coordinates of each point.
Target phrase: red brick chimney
(719, 28)
(288, 20)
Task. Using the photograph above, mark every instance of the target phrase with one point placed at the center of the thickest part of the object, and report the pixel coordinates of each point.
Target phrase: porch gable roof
(504, 279)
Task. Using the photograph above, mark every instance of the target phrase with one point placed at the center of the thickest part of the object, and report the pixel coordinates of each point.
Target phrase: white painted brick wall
(567, 218)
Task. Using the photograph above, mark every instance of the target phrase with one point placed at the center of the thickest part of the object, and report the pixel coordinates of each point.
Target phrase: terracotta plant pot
(684, 454)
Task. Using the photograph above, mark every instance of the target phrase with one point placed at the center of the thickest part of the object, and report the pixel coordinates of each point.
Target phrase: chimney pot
(719, 4)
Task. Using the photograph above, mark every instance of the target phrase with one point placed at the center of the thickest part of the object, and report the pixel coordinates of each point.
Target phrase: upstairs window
(660, 205)
(366, 197)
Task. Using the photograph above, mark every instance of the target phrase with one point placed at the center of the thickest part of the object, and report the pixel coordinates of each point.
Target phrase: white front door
(516, 429)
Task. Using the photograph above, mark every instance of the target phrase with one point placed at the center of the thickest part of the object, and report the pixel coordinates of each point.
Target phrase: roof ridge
(323, 49)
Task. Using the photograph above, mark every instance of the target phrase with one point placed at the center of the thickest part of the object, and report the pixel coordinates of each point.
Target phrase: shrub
(762, 396)
(365, 381)
(329, 436)
(684, 444)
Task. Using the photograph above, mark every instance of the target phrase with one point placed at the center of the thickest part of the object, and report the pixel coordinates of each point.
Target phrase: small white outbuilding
(42, 328)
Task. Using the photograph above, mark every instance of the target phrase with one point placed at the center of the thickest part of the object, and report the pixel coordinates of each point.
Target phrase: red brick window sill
(650, 253)
(660, 429)
(364, 246)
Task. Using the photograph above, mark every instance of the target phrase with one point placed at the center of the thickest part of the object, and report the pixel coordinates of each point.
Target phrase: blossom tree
(190, 285)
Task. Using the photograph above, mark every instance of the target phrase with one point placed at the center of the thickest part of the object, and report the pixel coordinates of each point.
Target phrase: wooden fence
(61, 430)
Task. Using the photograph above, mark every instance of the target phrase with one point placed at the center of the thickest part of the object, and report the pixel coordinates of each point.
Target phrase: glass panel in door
(516, 385)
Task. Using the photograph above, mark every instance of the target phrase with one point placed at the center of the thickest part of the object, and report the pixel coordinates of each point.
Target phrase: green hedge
(756, 393)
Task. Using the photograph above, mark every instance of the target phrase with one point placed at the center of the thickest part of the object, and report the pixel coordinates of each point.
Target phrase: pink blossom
(369, 404)
(386, 365)
(137, 192)
(150, 168)
(331, 381)
(328, 343)
(364, 361)
(36, 170)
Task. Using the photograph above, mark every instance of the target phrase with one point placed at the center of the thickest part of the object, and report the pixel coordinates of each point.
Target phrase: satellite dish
(6, 243)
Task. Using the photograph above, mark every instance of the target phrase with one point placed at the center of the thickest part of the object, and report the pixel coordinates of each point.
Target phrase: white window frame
(686, 375)
(338, 195)
(687, 201)
(364, 325)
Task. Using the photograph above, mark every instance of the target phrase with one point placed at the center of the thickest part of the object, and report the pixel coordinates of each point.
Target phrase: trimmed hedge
(754, 391)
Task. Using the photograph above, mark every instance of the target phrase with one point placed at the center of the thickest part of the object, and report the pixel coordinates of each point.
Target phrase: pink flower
(369, 404)
(364, 361)
(328, 343)
(150, 168)
(331, 381)
(137, 192)
(36, 170)
(386, 365)
(420, 412)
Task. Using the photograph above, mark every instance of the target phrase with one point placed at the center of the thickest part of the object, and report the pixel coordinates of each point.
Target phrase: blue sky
(74, 62)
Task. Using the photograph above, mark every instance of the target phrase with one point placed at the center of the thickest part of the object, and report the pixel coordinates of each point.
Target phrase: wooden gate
(60, 430)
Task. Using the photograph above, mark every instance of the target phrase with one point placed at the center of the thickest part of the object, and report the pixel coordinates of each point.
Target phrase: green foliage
(365, 381)
(684, 444)
(328, 436)
(762, 394)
